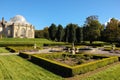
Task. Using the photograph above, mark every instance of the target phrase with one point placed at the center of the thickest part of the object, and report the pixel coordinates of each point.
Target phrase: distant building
(17, 27)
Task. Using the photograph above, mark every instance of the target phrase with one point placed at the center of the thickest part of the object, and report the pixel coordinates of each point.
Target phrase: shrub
(68, 71)
(15, 44)
(80, 61)
(93, 65)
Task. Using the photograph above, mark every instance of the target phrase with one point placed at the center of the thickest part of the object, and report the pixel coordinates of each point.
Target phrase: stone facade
(17, 27)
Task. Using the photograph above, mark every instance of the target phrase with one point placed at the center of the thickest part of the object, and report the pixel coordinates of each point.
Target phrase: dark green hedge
(55, 44)
(11, 49)
(65, 70)
(57, 68)
(93, 65)
(15, 44)
(24, 55)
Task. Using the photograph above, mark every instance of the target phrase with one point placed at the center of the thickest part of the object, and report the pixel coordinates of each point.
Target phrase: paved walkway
(101, 51)
(46, 50)
(49, 50)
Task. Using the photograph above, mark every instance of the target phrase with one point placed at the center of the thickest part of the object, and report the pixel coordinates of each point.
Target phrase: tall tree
(71, 32)
(60, 33)
(92, 29)
(66, 30)
(39, 34)
(79, 34)
(52, 31)
(46, 33)
(112, 31)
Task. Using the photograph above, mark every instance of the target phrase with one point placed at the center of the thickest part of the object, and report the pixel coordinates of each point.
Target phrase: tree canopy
(91, 31)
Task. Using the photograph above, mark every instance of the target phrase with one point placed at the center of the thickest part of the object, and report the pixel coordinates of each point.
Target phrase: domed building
(17, 27)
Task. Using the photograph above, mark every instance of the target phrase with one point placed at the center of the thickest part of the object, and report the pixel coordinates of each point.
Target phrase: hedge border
(15, 44)
(68, 71)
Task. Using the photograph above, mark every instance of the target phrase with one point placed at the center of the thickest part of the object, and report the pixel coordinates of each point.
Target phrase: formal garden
(60, 63)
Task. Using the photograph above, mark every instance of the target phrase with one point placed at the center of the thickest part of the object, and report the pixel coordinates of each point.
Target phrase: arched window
(23, 32)
(9, 32)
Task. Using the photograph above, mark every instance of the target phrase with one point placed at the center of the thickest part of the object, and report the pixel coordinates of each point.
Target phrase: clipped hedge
(56, 44)
(66, 70)
(80, 69)
(11, 49)
(15, 44)
(58, 68)
(24, 55)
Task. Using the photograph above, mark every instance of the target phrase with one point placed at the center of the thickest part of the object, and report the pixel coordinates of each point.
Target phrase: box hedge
(66, 70)
(15, 44)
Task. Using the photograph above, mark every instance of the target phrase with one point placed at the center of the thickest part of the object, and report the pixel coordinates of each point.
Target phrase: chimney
(2, 19)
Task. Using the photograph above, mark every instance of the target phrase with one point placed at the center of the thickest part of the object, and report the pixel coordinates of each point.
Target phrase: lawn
(3, 50)
(112, 73)
(15, 68)
(38, 41)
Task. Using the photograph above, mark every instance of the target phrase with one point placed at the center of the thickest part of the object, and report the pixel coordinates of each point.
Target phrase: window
(23, 32)
(29, 33)
(9, 32)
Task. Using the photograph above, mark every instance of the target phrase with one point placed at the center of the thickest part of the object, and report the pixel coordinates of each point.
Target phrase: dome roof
(18, 19)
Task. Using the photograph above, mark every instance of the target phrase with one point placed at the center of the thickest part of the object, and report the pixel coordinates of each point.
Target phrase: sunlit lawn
(15, 68)
(3, 50)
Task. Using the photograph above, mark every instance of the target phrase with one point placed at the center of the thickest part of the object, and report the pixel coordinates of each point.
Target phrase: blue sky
(42, 13)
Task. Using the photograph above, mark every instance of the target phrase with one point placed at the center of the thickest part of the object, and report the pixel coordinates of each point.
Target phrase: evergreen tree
(60, 33)
(52, 31)
(71, 33)
(46, 33)
(79, 35)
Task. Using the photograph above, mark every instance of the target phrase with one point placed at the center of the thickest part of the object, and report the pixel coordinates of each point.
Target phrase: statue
(73, 49)
(34, 46)
(113, 46)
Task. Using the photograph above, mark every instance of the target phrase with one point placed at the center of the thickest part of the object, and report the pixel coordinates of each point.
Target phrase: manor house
(17, 27)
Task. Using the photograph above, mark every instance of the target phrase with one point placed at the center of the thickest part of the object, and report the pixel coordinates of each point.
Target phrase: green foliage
(111, 73)
(52, 31)
(92, 29)
(46, 33)
(24, 42)
(15, 44)
(79, 35)
(3, 50)
(22, 48)
(93, 65)
(71, 33)
(39, 34)
(16, 68)
(60, 33)
(112, 31)
(80, 61)
(58, 68)
(67, 71)
(42, 33)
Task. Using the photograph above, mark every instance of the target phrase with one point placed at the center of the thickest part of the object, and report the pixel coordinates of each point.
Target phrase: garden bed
(74, 60)
(47, 61)
(22, 49)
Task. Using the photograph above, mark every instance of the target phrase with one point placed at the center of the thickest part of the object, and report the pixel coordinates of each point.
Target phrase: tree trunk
(91, 41)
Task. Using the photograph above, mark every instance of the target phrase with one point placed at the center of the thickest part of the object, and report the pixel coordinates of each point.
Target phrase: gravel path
(101, 51)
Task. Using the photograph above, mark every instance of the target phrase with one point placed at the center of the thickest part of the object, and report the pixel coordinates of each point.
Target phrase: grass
(3, 50)
(38, 41)
(15, 68)
(112, 73)
(24, 48)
